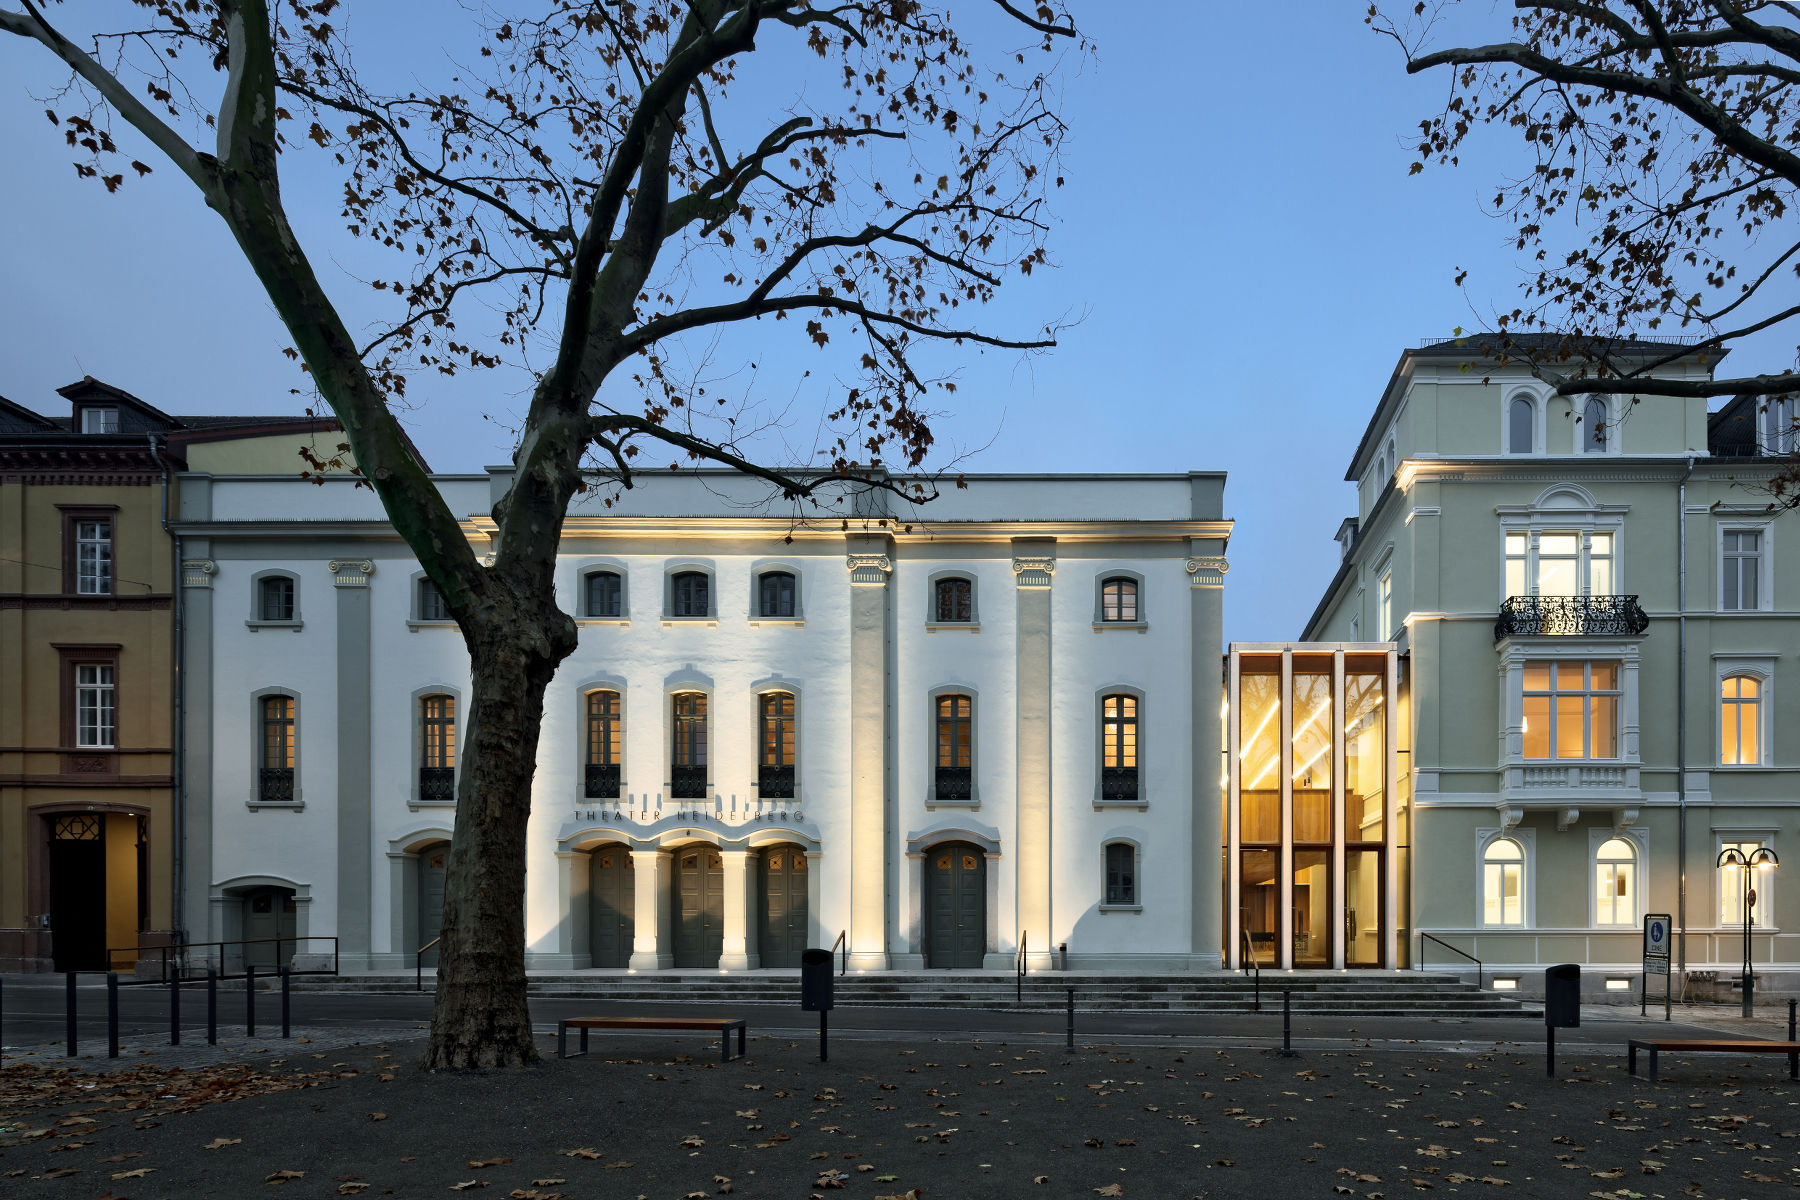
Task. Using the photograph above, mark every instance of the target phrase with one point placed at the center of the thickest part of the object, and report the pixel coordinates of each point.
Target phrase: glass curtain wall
(1259, 813)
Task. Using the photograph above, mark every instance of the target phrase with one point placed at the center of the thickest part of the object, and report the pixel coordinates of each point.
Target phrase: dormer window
(100, 420)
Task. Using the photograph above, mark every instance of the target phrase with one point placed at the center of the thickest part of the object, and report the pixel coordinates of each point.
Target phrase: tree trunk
(480, 1017)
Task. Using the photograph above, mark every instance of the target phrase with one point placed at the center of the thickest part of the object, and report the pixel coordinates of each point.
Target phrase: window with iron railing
(437, 768)
(275, 779)
(775, 768)
(954, 776)
(604, 739)
(1118, 747)
(687, 779)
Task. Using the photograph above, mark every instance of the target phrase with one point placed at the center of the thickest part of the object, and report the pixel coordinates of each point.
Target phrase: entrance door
(699, 907)
(434, 862)
(781, 934)
(955, 906)
(1260, 906)
(78, 892)
(268, 915)
(612, 916)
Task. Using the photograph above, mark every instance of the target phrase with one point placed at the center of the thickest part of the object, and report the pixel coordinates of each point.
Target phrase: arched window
(690, 594)
(1740, 720)
(1119, 599)
(955, 747)
(275, 774)
(1119, 747)
(775, 765)
(604, 736)
(437, 766)
(775, 594)
(1615, 883)
(604, 595)
(1393, 458)
(275, 598)
(1121, 874)
(1521, 436)
(1503, 884)
(1593, 426)
(688, 757)
(954, 601)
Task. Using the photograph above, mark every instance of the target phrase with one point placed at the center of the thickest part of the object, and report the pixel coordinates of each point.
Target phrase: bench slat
(710, 1023)
(1697, 1046)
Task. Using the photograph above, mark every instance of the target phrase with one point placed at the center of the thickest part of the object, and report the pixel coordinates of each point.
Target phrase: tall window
(1119, 599)
(1121, 873)
(1521, 416)
(688, 757)
(603, 737)
(954, 601)
(1118, 747)
(690, 594)
(605, 594)
(955, 748)
(93, 557)
(1503, 884)
(99, 420)
(1384, 606)
(437, 766)
(1740, 720)
(1738, 572)
(1593, 426)
(1731, 884)
(275, 780)
(1559, 563)
(275, 598)
(775, 766)
(431, 602)
(1777, 425)
(96, 707)
(1572, 710)
(775, 594)
(1615, 883)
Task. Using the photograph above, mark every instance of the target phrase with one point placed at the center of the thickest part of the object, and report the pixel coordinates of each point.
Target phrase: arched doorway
(782, 924)
(955, 906)
(699, 906)
(612, 899)
(434, 863)
(269, 925)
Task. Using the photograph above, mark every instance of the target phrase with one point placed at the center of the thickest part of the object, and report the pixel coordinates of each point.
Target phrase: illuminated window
(1731, 883)
(775, 766)
(1615, 883)
(1119, 747)
(437, 749)
(1568, 562)
(1503, 884)
(953, 778)
(1740, 720)
(605, 735)
(1571, 710)
(275, 777)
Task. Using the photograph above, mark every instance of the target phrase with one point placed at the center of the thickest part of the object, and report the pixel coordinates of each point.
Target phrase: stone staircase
(1361, 994)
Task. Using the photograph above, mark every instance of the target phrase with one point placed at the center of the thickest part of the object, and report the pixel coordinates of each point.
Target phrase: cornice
(900, 531)
(57, 600)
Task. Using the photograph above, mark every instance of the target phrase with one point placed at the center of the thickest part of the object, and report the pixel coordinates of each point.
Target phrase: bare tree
(601, 178)
(1665, 136)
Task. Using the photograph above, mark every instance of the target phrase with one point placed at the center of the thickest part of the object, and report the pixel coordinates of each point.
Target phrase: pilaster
(870, 565)
(1206, 633)
(197, 737)
(653, 934)
(355, 853)
(1034, 566)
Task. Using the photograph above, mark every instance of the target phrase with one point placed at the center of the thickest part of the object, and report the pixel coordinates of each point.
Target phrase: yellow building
(89, 827)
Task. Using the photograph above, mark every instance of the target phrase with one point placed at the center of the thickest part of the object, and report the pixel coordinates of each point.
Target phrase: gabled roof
(87, 388)
(18, 414)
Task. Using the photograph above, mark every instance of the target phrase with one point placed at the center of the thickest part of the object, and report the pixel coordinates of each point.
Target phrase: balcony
(955, 784)
(688, 783)
(602, 781)
(1570, 616)
(437, 785)
(775, 783)
(1119, 783)
(275, 785)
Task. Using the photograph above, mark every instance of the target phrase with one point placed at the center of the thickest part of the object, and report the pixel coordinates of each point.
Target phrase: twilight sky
(1238, 227)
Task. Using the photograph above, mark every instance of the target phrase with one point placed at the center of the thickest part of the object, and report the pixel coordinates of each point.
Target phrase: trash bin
(1562, 996)
(815, 980)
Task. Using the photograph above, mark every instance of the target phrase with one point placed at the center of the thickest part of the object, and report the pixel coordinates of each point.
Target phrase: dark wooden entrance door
(955, 906)
(782, 929)
(78, 892)
(699, 906)
(612, 892)
(434, 863)
(269, 914)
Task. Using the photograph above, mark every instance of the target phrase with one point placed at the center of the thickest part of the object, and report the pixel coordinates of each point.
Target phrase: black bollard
(2, 1021)
(823, 1056)
(249, 1000)
(1071, 1026)
(286, 972)
(1793, 1059)
(212, 1007)
(175, 1011)
(1287, 1024)
(69, 1004)
(112, 1014)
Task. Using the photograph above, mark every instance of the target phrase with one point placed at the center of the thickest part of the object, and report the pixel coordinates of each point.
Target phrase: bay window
(1571, 710)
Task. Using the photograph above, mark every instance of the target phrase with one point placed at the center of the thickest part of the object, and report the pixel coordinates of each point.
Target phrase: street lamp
(1760, 859)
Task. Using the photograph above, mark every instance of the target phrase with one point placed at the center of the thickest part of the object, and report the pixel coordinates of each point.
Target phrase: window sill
(294, 625)
(708, 622)
(1135, 626)
(933, 801)
(795, 622)
(416, 625)
(1141, 803)
(416, 805)
(621, 622)
(953, 626)
(1121, 908)
(287, 805)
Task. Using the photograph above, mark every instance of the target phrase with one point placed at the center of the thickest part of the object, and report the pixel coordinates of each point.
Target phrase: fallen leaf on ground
(134, 1173)
(350, 1189)
(129, 1154)
(488, 1162)
(377, 1116)
(1111, 1189)
(581, 1152)
(284, 1176)
(466, 1184)
(221, 1143)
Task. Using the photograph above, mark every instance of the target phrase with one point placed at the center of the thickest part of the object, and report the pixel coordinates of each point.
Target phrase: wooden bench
(723, 1026)
(1711, 1046)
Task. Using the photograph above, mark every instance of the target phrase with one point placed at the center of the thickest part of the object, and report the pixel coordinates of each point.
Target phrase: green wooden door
(782, 928)
(699, 906)
(955, 906)
(612, 890)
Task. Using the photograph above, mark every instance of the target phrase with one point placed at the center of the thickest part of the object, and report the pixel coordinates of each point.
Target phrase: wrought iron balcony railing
(955, 783)
(1118, 783)
(1570, 616)
(602, 782)
(275, 785)
(437, 784)
(775, 783)
(688, 783)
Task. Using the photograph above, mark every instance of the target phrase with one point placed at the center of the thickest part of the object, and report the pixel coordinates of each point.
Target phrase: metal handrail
(1255, 967)
(419, 963)
(164, 973)
(1425, 937)
(1019, 968)
(841, 947)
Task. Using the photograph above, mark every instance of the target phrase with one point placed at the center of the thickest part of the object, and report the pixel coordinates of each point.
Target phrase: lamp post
(1760, 859)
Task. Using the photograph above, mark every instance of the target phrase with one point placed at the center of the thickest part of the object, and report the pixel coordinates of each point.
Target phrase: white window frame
(1587, 693)
(1639, 841)
(1564, 508)
(1762, 669)
(1747, 840)
(1765, 581)
(94, 571)
(1611, 429)
(100, 418)
(1526, 840)
(1775, 433)
(1536, 401)
(96, 692)
(1384, 603)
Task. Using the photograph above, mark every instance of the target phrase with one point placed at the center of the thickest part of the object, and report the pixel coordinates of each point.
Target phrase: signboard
(1658, 930)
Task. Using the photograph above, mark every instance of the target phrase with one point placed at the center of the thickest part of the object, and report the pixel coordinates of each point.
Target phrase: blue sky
(1238, 227)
